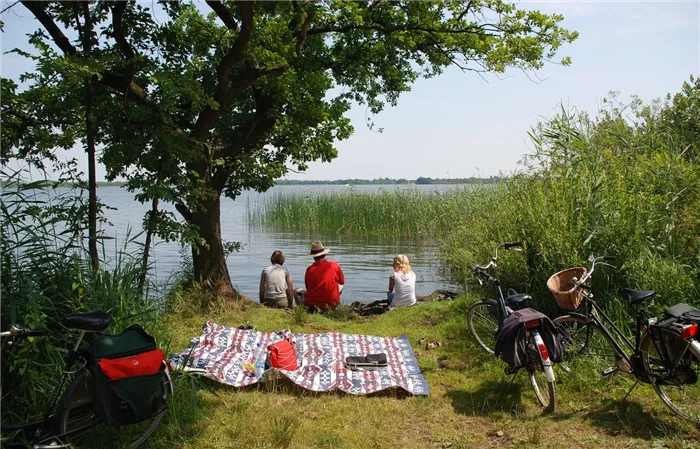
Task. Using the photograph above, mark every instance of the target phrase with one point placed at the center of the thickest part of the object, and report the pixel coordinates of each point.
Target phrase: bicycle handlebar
(480, 270)
(593, 260)
(22, 332)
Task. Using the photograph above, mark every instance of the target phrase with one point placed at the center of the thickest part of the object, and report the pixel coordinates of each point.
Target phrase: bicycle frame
(594, 313)
(42, 430)
(494, 279)
(539, 342)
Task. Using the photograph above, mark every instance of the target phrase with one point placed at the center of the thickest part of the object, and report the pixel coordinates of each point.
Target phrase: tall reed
(614, 185)
(402, 213)
(46, 274)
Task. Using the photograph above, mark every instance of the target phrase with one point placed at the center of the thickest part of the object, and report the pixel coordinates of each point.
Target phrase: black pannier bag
(676, 316)
(510, 340)
(685, 313)
(129, 376)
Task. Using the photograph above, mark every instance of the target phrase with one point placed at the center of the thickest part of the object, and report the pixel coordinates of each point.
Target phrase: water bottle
(260, 358)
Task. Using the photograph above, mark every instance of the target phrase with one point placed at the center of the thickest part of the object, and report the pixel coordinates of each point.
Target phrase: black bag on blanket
(368, 362)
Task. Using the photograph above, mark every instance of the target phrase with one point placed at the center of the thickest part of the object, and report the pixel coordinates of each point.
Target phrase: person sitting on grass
(402, 284)
(276, 288)
(324, 280)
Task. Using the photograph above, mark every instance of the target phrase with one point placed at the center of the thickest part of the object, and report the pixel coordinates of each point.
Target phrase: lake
(366, 262)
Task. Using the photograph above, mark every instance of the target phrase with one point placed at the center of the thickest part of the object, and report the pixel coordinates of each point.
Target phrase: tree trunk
(210, 261)
(92, 181)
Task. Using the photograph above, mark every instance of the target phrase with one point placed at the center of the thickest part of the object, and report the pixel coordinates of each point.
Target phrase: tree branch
(8, 7)
(247, 135)
(208, 116)
(374, 4)
(459, 18)
(37, 8)
(122, 43)
(224, 14)
(304, 30)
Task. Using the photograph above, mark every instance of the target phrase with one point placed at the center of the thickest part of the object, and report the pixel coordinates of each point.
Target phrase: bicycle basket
(567, 295)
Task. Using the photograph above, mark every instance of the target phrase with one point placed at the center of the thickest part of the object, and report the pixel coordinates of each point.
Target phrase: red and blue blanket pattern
(225, 354)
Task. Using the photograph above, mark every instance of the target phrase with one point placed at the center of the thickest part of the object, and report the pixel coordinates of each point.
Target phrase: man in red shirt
(324, 280)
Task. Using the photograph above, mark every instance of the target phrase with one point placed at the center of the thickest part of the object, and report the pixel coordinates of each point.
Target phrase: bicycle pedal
(609, 371)
(565, 368)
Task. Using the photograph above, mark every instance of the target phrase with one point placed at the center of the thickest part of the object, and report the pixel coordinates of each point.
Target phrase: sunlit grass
(471, 402)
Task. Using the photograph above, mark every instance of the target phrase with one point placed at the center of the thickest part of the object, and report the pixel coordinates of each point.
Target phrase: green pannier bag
(132, 399)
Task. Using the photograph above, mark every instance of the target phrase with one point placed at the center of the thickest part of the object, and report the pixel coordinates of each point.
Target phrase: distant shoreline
(379, 181)
(388, 181)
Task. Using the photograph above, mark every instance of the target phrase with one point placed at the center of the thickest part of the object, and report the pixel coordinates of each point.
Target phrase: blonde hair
(402, 262)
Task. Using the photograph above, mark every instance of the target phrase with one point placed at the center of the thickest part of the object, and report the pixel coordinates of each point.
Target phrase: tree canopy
(194, 101)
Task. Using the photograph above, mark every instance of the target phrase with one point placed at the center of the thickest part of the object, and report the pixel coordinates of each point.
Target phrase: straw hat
(318, 250)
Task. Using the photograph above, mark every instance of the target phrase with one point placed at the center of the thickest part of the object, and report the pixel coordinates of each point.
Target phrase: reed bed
(389, 214)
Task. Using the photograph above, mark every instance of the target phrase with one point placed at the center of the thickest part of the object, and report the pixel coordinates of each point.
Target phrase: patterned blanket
(225, 354)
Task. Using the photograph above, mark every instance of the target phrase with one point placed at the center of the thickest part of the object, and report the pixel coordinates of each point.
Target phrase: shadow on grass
(278, 384)
(491, 397)
(616, 417)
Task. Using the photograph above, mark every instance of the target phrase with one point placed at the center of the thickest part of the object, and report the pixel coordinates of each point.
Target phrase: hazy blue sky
(458, 125)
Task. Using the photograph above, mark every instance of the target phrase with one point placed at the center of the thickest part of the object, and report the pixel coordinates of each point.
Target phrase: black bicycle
(484, 319)
(665, 353)
(72, 412)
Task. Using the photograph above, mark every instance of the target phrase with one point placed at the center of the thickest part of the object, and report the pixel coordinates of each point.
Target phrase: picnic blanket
(220, 353)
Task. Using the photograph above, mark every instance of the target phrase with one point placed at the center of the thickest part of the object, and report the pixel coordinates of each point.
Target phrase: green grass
(471, 402)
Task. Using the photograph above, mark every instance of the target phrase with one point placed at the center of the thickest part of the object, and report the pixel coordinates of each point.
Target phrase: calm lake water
(366, 262)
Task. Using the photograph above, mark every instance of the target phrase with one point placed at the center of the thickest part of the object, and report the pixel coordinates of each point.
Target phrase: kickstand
(512, 379)
(630, 391)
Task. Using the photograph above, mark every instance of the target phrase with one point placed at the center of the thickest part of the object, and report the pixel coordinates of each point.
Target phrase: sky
(460, 125)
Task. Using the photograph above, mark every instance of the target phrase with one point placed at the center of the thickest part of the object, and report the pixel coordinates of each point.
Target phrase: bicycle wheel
(78, 419)
(544, 389)
(482, 321)
(586, 348)
(674, 366)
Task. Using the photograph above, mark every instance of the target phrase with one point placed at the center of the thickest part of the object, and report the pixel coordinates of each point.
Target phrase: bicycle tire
(483, 323)
(682, 398)
(585, 344)
(545, 391)
(77, 415)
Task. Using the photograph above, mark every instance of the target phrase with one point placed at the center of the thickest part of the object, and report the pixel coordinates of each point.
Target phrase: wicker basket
(565, 292)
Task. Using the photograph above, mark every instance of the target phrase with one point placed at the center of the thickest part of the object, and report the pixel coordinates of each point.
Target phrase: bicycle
(485, 318)
(68, 420)
(665, 353)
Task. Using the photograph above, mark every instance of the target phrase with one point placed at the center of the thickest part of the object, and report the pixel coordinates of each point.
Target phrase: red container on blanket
(138, 365)
(283, 356)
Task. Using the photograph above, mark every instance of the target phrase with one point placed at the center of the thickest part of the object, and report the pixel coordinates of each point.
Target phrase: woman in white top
(402, 284)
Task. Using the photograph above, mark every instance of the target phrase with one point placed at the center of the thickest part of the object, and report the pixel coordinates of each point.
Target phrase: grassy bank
(471, 403)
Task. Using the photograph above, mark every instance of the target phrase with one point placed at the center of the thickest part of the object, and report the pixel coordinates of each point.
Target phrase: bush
(622, 184)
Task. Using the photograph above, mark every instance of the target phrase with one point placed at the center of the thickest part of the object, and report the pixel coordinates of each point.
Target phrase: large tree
(210, 100)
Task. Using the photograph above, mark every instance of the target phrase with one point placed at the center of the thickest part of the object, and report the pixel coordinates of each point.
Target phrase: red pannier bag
(136, 365)
(283, 356)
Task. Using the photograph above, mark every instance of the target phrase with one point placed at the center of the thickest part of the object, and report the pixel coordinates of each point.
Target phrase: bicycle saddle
(94, 320)
(637, 296)
(517, 300)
